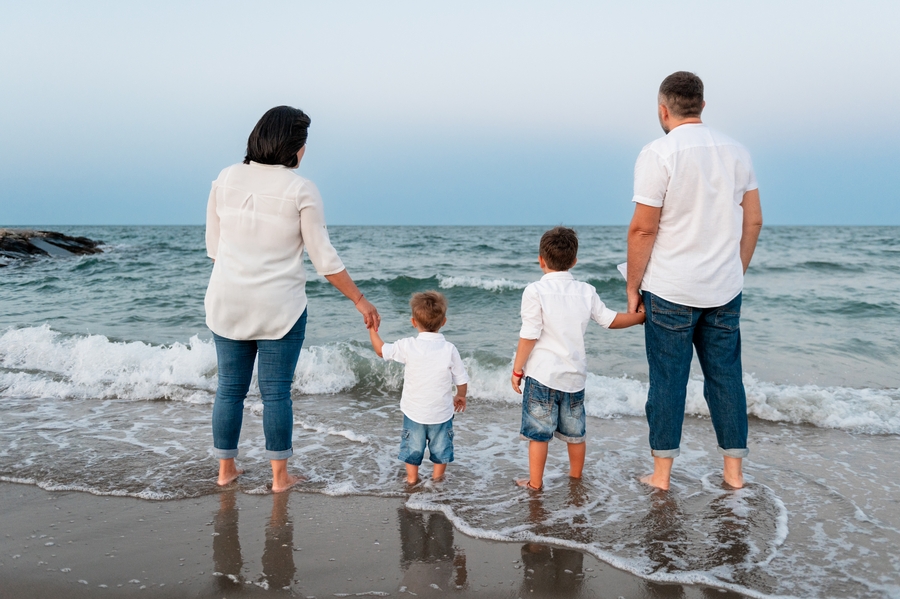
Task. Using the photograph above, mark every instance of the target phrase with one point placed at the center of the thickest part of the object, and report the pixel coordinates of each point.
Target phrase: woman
(261, 216)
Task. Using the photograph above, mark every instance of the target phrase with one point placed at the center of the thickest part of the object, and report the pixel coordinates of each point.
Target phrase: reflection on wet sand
(278, 567)
(429, 559)
(227, 544)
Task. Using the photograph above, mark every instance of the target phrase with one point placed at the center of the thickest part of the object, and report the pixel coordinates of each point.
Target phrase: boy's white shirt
(555, 312)
(433, 365)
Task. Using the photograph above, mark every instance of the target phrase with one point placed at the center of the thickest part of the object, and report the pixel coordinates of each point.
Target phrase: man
(696, 221)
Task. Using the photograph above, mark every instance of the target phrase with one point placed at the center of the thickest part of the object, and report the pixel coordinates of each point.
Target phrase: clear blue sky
(440, 113)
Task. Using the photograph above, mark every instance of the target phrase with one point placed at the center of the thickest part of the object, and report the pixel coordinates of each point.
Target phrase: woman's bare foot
(524, 482)
(228, 472)
(287, 482)
(656, 482)
(733, 473)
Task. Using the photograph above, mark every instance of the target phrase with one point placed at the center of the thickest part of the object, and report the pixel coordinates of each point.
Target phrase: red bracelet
(359, 299)
(518, 375)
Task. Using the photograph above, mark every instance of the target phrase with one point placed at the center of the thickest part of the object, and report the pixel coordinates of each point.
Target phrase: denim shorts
(438, 437)
(547, 413)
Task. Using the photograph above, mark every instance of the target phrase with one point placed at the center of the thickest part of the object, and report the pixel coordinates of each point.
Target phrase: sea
(108, 375)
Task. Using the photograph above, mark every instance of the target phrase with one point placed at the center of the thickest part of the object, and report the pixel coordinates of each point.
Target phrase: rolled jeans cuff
(225, 454)
(568, 439)
(279, 455)
(734, 453)
(666, 453)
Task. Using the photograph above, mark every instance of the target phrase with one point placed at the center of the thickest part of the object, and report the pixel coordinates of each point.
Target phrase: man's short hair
(682, 93)
(429, 309)
(559, 248)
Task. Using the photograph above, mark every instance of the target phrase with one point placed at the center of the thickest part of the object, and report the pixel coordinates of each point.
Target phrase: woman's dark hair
(278, 136)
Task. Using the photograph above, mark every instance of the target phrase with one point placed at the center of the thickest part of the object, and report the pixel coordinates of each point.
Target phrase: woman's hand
(370, 313)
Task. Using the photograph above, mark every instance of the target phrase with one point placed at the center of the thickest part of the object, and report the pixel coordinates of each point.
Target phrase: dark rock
(16, 244)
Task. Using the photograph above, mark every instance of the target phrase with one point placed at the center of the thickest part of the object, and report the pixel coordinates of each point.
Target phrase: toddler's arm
(459, 402)
(522, 353)
(377, 343)
(623, 320)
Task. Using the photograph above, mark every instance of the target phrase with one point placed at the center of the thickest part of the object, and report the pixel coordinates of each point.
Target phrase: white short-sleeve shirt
(259, 219)
(698, 177)
(433, 366)
(556, 311)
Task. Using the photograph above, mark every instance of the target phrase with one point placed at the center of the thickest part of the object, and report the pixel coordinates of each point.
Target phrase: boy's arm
(522, 352)
(459, 402)
(377, 343)
(623, 320)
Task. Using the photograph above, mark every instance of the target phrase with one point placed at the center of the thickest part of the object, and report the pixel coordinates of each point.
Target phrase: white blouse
(258, 220)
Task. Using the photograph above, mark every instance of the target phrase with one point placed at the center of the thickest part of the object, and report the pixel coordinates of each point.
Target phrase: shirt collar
(563, 275)
(267, 165)
(426, 336)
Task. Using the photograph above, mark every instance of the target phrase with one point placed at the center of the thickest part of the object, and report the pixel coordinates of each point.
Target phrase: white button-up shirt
(433, 365)
(556, 311)
(259, 219)
(698, 177)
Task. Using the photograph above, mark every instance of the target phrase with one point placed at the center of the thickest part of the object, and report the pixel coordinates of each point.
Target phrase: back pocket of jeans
(668, 315)
(538, 400)
(727, 319)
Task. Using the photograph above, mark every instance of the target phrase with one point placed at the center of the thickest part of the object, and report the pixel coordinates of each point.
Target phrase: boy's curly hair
(429, 309)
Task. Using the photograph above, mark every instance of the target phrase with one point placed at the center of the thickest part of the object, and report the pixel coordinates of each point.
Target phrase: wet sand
(295, 544)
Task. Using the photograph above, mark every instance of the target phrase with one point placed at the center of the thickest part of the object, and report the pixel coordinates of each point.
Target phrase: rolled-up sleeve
(532, 322)
(651, 179)
(458, 369)
(321, 253)
(212, 224)
(395, 351)
(600, 313)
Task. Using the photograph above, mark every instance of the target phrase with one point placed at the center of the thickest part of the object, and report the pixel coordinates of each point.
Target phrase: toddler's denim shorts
(547, 413)
(438, 437)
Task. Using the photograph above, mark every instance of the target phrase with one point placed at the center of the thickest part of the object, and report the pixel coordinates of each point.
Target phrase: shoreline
(235, 544)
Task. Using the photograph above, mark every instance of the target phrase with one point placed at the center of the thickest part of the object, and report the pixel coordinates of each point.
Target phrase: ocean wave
(41, 362)
(406, 285)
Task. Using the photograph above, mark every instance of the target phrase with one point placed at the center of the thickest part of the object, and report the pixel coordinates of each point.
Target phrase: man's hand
(459, 403)
(635, 301)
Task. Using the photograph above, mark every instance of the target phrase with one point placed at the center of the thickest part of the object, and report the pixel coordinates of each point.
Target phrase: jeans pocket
(405, 434)
(728, 319)
(576, 402)
(669, 315)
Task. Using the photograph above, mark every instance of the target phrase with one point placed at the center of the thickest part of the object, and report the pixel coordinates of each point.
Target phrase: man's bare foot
(524, 482)
(289, 481)
(653, 481)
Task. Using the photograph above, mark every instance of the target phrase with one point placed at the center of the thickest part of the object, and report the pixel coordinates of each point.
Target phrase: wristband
(359, 299)
(518, 375)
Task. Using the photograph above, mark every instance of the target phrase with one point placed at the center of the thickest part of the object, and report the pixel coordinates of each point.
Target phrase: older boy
(555, 314)
(433, 366)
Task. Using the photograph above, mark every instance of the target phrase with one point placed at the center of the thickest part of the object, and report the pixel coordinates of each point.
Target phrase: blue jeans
(277, 361)
(439, 438)
(547, 413)
(672, 331)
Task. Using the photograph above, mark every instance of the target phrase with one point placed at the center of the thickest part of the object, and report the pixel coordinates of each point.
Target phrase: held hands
(459, 404)
(635, 301)
(369, 312)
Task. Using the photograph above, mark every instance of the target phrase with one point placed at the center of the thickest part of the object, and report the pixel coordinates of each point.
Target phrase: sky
(425, 113)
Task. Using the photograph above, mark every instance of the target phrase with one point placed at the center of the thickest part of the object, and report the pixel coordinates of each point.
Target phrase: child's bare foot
(656, 481)
(438, 473)
(287, 482)
(524, 482)
(228, 472)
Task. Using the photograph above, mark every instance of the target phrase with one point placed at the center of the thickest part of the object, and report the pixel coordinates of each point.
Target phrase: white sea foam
(40, 362)
(479, 283)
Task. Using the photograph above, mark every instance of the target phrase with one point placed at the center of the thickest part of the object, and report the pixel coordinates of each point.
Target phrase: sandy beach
(296, 544)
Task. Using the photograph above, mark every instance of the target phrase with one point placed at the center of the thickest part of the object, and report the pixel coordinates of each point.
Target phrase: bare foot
(734, 483)
(290, 481)
(733, 473)
(524, 482)
(228, 478)
(651, 480)
(413, 482)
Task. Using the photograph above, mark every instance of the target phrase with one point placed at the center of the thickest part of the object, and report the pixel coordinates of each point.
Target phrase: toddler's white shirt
(556, 311)
(433, 365)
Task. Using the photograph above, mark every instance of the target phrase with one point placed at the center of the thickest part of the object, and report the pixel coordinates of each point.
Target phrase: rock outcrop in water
(16, 244)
